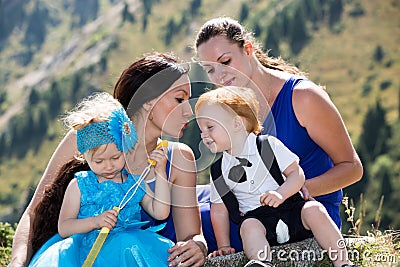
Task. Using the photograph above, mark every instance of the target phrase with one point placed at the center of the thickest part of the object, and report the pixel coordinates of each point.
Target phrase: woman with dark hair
(292, 108)
(154, 90)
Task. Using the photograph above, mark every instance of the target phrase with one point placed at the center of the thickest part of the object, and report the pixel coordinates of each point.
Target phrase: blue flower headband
(118, 129)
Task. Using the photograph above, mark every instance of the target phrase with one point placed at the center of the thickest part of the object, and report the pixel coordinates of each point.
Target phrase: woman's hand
(306, 193)
(222, 251)
(188, 253)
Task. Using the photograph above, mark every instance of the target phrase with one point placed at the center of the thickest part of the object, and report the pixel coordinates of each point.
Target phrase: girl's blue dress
(130, 243)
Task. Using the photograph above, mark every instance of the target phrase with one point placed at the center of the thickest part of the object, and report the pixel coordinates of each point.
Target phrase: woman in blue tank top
(302, 115)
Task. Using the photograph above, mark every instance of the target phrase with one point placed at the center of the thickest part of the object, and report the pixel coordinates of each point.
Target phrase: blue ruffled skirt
(122, 248)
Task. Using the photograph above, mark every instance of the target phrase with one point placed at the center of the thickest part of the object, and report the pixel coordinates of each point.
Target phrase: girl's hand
(222, 251)
(160, 156)
(106, 219)
(186, 253)
(271, 198)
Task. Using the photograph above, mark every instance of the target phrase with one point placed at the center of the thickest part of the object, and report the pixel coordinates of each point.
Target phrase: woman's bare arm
(22, 243)
(191, 248)
(316, 112)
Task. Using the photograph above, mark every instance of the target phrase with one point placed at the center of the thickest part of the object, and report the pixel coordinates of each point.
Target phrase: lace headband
(118, 129)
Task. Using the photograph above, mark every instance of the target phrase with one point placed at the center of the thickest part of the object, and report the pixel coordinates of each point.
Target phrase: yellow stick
(98, 243)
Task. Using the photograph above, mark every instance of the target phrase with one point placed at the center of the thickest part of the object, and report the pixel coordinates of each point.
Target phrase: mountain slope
(340, 57)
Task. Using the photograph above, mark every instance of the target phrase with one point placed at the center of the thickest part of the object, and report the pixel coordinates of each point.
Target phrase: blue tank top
(282, 123)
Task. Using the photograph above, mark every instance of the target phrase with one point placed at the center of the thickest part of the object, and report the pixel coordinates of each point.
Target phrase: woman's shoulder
(309, 100)
(182, 156)
(180, 149)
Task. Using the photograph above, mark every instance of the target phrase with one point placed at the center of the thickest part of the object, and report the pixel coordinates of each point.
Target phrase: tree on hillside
(144, 22)
(244, 12)
(394, 144)
(271, 42)
(54, 98)
(335, 8)
(36, 30)
(357, 9)
(3, 145)
(76, 87)
(19, 131)
(382, 184)
(379, 54)
(375, 133)
(85, 11)
(12, 14)
(170, 30)
(195, 6)
(313, 11)
(257, 30)
(373, 142)
(33, 97)
(3, 100)
(297, 32)
(43, 121)
(126, 15)
(147, 8)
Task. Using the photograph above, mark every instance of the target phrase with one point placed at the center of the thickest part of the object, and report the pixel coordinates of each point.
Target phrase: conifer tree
(375, 133)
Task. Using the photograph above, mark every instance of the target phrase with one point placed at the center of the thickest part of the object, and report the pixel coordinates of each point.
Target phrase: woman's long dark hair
(147, 79)
(47, 211)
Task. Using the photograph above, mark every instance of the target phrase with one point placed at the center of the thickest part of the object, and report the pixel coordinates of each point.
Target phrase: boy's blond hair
(240, 100)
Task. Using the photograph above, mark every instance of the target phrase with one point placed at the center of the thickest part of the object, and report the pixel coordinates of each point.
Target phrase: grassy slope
(340, 61)
(344, 61)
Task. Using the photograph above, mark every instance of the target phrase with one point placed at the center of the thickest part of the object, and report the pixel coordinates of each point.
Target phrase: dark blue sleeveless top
(282, 123)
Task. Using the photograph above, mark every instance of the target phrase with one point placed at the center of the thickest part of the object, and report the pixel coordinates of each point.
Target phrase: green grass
(341, 60)
(6, 235)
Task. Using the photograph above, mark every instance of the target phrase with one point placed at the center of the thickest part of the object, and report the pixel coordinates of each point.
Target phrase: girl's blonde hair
(94, 108)
(240, 100)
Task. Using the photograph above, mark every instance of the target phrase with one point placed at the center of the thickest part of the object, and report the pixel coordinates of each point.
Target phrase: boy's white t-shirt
(259, 180)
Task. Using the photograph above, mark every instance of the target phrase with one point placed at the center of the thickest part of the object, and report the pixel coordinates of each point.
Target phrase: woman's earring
(151, 116)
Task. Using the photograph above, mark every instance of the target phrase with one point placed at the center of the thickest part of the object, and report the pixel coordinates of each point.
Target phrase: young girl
(104, 135)
(228, 121)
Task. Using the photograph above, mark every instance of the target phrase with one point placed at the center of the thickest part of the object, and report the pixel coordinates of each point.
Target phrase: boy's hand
(271, 198)
(226, 250)
(106, 219)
